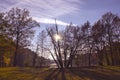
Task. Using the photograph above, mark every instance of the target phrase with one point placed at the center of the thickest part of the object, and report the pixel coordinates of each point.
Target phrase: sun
(57, 37)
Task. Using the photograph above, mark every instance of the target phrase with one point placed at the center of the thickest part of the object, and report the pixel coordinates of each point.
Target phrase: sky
(65, 11)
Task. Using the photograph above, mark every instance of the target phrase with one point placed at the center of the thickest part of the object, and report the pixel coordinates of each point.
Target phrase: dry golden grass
(84, 73)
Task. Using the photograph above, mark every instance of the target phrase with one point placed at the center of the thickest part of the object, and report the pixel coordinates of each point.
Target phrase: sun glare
(57, 37)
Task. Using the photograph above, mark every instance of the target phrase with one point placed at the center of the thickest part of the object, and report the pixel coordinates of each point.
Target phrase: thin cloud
(44, 11)
(50, 21)
(45, 8)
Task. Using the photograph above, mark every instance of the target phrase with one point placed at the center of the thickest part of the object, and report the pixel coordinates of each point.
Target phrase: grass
(21, 74)
(83, 73)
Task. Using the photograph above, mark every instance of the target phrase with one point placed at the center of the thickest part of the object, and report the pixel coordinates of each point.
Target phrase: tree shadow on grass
(56, 74)
(91, 74)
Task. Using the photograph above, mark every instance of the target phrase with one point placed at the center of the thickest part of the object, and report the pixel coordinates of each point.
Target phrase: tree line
(97, 44)
(16, 33)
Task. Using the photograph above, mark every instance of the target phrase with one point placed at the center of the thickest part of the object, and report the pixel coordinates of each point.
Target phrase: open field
(84, 73)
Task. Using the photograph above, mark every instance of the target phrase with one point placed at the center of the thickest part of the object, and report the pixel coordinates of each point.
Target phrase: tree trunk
(112, 58)
(34, 59)
(15, 53)
(89, 56)
(106, 56)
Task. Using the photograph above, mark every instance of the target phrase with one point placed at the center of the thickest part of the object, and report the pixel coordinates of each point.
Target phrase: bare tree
(88, 40)
(20, 28)
(35, 55)
(65, 44)
(105, 35)
(110, 23)
(41, 47)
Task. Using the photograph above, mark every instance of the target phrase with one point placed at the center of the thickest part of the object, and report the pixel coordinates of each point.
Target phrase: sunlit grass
(19, 73)
(84, 73)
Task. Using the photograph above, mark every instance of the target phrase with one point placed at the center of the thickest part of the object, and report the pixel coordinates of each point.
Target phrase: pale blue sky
(66, 11)
(92, 10)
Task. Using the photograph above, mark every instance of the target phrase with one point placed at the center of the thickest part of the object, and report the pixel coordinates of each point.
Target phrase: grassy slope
(93, 73)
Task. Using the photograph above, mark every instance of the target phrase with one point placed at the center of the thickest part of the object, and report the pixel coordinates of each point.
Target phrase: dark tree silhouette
(19, 27)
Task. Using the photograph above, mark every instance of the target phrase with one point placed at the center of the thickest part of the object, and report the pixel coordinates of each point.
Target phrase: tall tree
(110, 23)
(20, 28)
(98, 40)
(41, 42)
(65, 44)
(41, 49)
(106, 32)
(88, 41)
